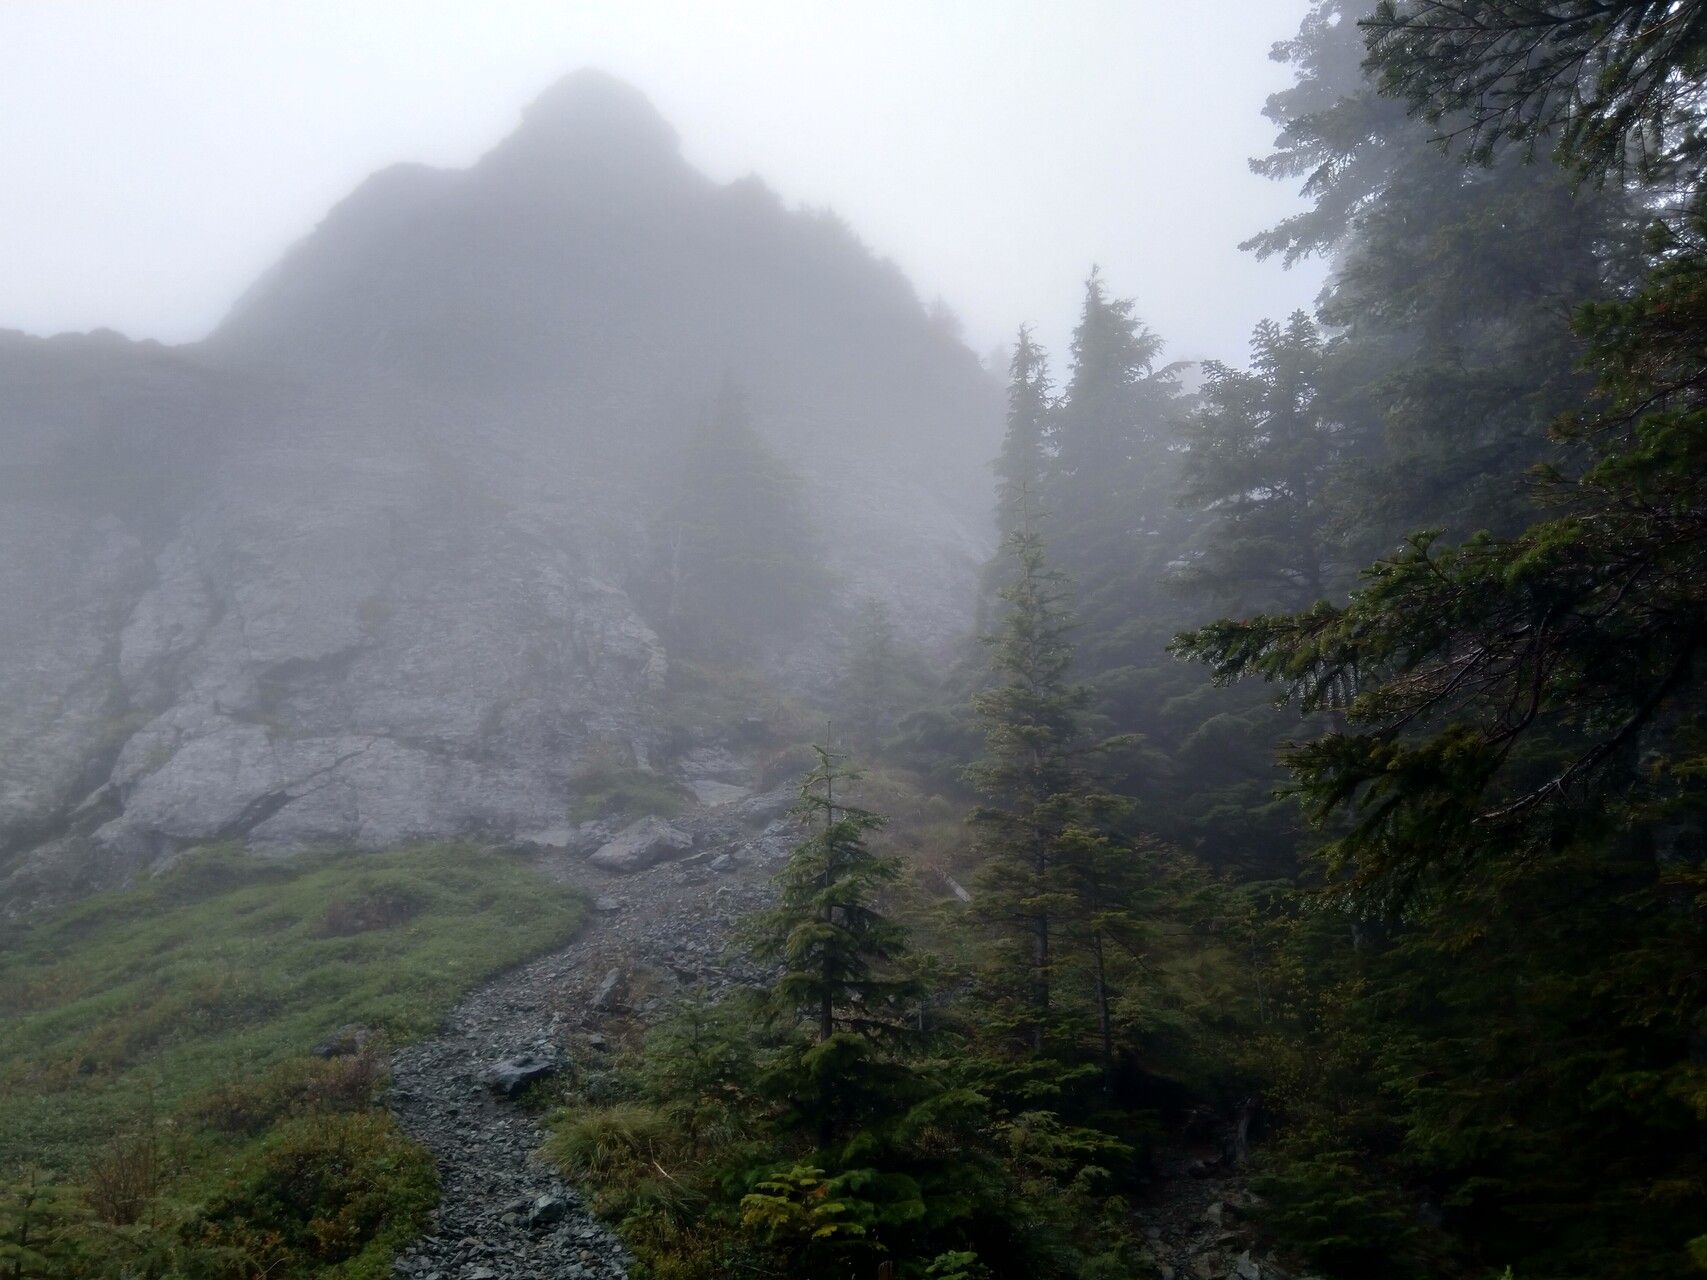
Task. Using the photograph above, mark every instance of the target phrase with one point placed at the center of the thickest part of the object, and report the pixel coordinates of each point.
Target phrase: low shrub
(326, 1195)
(373, 907)
(126, 1174)
(247, 1105)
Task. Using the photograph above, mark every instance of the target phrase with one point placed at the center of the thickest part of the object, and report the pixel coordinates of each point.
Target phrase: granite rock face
(356, 570)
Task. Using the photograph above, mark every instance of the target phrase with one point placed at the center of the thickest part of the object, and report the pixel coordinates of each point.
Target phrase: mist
(890, 642)
(992, 150)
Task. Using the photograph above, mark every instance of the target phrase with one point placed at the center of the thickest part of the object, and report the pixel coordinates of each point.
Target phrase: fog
(160, 156)
(581, 697)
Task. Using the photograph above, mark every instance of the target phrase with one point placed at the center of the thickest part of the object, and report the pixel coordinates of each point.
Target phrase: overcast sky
(158, 155)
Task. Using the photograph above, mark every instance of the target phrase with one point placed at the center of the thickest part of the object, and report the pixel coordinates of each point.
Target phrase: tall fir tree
(838, 953)
(1027, 775)
(1260, 463)
(1027, 444)
(1450, 295)
(1049, 879)
(1106, 891)
(1511, 790)
(1112, 435)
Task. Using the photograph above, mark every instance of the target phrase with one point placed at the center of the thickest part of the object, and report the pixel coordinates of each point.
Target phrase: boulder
(713, 794)
(642, 844)
(609, 997)
(511, 1075)
(347, 1041)
(548, 1211)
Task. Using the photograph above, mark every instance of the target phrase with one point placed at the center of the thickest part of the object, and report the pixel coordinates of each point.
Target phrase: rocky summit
(359, 568)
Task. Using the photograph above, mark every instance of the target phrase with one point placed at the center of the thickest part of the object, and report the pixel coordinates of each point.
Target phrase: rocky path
(654, 933)
(504, 1213)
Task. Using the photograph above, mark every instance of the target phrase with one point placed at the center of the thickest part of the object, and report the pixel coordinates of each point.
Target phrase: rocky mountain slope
(358, 568)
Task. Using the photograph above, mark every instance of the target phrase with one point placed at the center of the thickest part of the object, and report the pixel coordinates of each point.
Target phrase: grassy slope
(142, 1000)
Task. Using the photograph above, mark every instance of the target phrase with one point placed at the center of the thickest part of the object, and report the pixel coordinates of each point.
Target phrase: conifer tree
(1111, 430)
(1029, 775)
(1105, 883)
(1610, 82)
(836, 947)
(1451, 292)
(1023, 463)
(1512, 788)
(833, 940)
(38, 1221)
(1057, 880)
(1262, 456)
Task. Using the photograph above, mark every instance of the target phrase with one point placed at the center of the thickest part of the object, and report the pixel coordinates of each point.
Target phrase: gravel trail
(505, 1214)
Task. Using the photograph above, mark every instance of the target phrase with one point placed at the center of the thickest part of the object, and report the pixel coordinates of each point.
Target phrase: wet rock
(640, 845)
(511, 1075)
(547, 1211)
(609, 997)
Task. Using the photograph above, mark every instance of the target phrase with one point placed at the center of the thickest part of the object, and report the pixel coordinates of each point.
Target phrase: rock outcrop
(357, 569)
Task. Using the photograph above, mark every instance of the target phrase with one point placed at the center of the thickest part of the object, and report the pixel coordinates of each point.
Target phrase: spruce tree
(1262, 456)
(1106, 890)
(1063, 888)
(1029, 776)
(1512, 792)
(835, 944)
(837, 950)
(1450, 295)
(1602, 80)
(1112, 431)
(1022, 465)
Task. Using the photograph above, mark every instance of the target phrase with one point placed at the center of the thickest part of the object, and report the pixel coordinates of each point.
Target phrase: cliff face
(355, 569)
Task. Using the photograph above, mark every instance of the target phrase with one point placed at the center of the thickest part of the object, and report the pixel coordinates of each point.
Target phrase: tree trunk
(1040, 978)
(1105, 1024)
(1039, 938)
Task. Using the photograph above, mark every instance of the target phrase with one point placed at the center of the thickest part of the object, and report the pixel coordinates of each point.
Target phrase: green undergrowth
(228, 966)
(612, 790)
(161, 1110)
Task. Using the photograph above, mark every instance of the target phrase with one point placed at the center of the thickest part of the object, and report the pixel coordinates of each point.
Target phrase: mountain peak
(592, 115)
